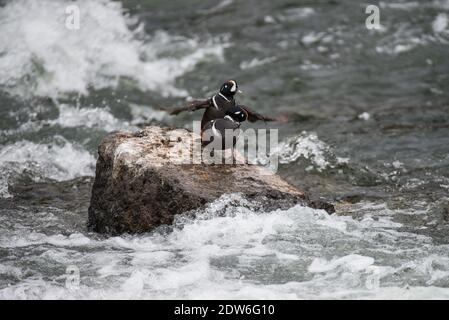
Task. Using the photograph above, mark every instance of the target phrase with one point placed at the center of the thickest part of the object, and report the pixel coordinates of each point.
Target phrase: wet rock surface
(143, 180)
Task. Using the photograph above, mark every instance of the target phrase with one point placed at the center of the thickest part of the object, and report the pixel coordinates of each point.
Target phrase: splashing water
(42, 57)
(306, 145)
(58, 160)
(371, 131)
(239, 253)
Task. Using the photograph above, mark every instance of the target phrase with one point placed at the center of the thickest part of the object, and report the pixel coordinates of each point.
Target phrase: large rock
(139, 186)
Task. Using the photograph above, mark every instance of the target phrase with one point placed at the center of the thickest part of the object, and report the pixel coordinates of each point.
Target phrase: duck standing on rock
(222, 134)
(217, 105)
(226, 127)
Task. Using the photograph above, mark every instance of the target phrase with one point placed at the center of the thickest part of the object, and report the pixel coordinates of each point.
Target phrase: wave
(59, 160)
(406, 37)
(233, 250)
(40, 56)
(102, 118)
(70, 117)
(98, 118)
(308, 146)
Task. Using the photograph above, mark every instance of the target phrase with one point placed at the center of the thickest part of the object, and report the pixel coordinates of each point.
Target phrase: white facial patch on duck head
(229, 118)
(234, 86)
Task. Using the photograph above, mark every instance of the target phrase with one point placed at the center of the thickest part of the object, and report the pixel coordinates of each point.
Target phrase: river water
(368, 130)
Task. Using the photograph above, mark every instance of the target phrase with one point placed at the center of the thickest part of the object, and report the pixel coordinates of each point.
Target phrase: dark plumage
(217, 105)
(225, 129)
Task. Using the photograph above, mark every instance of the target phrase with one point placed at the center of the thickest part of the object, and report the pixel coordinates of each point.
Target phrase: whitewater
(61, 92)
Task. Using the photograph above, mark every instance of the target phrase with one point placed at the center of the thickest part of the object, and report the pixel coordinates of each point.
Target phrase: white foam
(352, 262)
(70, 117)
(408, 37)
(230, 249)
(364, 116)
(343, 160)
(10, 271)
(307, 65)
(440, 23)
(411, 5)
(59, 160)
(35, 43)
(219, 7)
(142, 114)
(4, 193)
(100, 118)
(295, 14)
(311, 38)
(306, 145)
(36, 238)
(269, 19)
(399, 5)
(256, 63)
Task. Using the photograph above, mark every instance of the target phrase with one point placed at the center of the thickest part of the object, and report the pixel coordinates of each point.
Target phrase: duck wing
(253, 116)
(193, 106)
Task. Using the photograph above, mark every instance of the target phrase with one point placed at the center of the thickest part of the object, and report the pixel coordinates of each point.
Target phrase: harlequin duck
(225, 128)
(217, 105)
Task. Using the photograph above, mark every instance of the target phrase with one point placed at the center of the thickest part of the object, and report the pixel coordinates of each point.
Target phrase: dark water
(368, 129)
